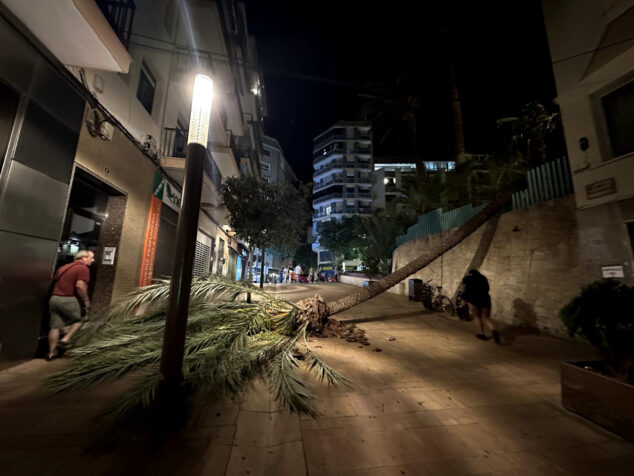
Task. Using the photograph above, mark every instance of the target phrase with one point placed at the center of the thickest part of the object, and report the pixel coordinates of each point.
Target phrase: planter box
(604, 400)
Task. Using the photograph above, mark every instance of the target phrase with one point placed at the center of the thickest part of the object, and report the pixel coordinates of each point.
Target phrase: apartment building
(275, 168)
(592, 51)
(96, 99)
(342, 162)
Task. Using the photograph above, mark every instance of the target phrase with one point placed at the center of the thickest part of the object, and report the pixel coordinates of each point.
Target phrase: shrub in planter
(603, 313)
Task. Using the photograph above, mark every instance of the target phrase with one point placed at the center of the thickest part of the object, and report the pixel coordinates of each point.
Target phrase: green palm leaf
(228, 342)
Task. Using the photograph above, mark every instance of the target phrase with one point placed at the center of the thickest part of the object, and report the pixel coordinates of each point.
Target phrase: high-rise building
(342, 159)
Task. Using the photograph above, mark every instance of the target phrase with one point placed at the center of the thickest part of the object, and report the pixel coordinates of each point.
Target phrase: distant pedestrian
(285, 274)
(69, 303)
(298, 272)
(476, 293)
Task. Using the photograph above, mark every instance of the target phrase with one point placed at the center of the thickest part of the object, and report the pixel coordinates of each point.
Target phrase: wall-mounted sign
(601, 188)
(612, 272)
(108, 255)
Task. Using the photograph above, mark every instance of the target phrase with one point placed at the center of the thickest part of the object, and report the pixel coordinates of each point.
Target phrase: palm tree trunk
(262, 270)
(456, 113)
(446, 243)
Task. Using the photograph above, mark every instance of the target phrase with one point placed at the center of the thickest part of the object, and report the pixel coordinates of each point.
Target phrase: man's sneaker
(482, 336)
(496, 337)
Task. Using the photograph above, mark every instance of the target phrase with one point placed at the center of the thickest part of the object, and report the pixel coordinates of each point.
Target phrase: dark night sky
(317, 57)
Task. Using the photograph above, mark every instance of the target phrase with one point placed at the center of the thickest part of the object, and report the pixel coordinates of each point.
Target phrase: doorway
(94, 220)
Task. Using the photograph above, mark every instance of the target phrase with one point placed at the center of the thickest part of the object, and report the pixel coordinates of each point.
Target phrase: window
(266, 152)
(145, 89)
(618, 107)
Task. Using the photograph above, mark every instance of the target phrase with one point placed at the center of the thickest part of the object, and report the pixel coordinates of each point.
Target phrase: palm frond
(228, 342)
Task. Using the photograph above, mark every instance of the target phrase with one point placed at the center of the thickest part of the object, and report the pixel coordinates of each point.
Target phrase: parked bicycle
(434, 299)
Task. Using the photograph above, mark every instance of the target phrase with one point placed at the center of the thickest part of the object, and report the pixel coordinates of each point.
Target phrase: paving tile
(218, 414)
(436, 401)
(281, 460)
(266, 429)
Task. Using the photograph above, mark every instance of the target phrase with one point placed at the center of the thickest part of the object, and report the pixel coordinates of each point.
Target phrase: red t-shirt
(67, 276)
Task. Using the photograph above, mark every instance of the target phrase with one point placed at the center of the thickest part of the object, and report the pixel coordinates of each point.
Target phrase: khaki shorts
(64, 311)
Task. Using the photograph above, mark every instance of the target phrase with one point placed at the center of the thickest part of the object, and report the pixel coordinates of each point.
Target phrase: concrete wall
(533, 259)
(601, 27)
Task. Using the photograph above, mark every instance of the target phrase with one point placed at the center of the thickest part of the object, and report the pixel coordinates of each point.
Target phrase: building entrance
(94, 220)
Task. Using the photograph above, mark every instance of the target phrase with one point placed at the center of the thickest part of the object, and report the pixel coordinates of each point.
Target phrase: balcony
(120, 16)
(321, 155)
(337, 164)
(339, 179)
(327, 140)
(87, 33)
(330, 196)
(356, 210)
(173, 142)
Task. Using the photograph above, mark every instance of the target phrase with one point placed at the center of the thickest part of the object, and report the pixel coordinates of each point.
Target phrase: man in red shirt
(70, 291)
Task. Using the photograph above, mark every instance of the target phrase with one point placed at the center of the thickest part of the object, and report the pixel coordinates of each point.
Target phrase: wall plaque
(601, 188)
(612, 271)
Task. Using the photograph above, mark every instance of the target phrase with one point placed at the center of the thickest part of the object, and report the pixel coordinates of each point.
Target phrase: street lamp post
(180, 287)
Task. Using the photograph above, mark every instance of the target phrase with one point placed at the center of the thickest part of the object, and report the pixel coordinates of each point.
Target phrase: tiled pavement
(433, 401)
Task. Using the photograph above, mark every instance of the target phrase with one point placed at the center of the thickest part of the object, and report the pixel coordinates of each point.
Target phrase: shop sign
(171, 197)
(151, 237)
(612, 272)
(163, 190)
(601, 188)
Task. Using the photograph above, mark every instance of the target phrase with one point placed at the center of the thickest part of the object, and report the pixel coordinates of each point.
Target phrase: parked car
(303, 278)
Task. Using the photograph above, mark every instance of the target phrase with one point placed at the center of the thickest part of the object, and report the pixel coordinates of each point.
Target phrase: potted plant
(602, 391)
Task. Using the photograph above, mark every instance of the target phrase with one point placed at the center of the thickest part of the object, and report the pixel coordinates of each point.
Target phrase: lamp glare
(201, 110)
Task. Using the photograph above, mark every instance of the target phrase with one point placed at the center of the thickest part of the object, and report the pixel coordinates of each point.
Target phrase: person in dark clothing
(475, 291)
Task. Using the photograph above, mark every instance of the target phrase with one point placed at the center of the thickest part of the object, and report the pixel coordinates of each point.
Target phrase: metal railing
(546, 182)
(319, 156)
(436, 222)
(173, 142)
(340, 210)
(328, 197)
(324, 142)
(337, 164)
(120, 15)
(339, 179)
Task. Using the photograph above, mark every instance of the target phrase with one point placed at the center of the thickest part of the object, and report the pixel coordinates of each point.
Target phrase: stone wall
(532, 258)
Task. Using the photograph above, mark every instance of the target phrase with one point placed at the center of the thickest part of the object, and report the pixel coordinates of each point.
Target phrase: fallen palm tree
(229, 340)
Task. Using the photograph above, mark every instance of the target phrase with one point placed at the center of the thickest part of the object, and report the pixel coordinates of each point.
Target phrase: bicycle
(436, 300)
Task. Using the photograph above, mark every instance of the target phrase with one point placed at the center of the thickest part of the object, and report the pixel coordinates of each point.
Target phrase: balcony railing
(324, 142)
(339, 179)
(319, 155)
(173, 142)
(330, 196)
(340, 210)
(337, 164)
(120, 15)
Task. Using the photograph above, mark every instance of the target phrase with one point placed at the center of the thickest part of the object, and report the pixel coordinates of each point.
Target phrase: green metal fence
(546, 182)
(436, 222)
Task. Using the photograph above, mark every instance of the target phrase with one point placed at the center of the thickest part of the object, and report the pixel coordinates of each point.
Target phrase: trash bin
(415, 289)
